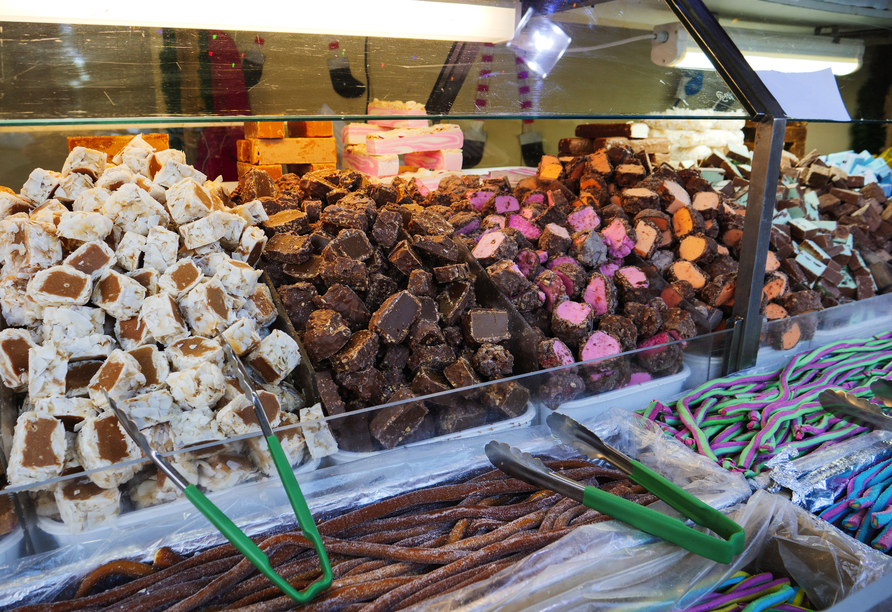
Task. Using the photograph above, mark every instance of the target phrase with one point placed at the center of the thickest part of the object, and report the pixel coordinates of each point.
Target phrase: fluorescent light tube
(492, 22)
(763, 51)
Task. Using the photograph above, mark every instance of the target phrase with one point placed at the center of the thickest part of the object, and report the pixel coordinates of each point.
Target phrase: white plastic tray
(523, 420)
(11, 545)
(53, 534)
(703, 368)
(629, 398)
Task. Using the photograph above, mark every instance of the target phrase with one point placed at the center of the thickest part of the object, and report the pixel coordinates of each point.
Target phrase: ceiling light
(539, 42)
(763, 51)
(491, 22)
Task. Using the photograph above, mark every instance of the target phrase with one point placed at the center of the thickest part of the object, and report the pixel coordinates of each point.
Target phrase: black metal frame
(452, 77)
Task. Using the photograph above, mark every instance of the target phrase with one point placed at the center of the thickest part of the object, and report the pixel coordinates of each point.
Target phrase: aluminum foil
(816, 479)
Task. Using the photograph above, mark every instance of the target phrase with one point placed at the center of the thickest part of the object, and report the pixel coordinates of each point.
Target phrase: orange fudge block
(287, 151)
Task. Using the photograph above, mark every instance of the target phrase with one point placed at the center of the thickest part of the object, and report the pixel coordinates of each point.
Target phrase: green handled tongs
(526, 467)
(219, 520)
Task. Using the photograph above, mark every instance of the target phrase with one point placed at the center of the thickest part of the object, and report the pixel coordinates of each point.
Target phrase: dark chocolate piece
(358, 354)
(493, 361)
(343, 300)
(346, 271)
(325, 334)
(386, 228)
(288, 249)
(350, 243)
(486, 325)
(328, 393)
(394, 423)
(404, 258)
(453, 302)
(298, 302)
(367, 384)
(452, 272)
(395, 316)
(437, 357)
(441, 247)
(509, 398)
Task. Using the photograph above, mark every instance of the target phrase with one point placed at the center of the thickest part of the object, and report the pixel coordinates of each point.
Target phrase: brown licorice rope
(386, 556)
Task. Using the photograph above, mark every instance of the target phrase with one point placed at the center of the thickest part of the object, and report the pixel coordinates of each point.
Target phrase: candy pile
(386, 556)
(374, 148)
(743, 592)
(863, 507)
(376, 287)
(743, 421)
(147, 249)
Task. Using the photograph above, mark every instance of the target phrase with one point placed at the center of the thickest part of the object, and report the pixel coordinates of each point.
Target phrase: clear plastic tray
(630, 398)
(524, 420)
(11, 545)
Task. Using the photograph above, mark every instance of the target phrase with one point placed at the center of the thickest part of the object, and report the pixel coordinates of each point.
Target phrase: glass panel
(821, 31)
(76, 74)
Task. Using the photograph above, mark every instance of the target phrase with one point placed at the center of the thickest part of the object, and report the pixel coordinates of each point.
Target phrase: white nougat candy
(26, 245)
(276, 356)
(260, 306)
(291, 440)
(160, 249)
(82, 160)
(130, 250)
(147, 277)
(136, 155)
(94, 346)
(289, 399)
(188, 201)
(208, 308)
(60, 286)
(250, 247)
(18, 309)
(115, 177)
(163, 318)
(38, 449)
(71, 411)
(237, 278)
(132, 333)
(237, 417)
(92, 258)
(219, 192)
(159, 158)
(84, 226)
(224, 470)
(47, 368)
(252, 212)
(204, 231)
(49, 214)
(120, 376)
(320, 441)
(83, 505)
(233, 227)
(208, 262)
(60, 324)
(150, 409)
(172, 172)
(14, 347)
(72, 186)
(134, 210)
(156, 191)
(197, 387)
(102, 443)
(192, 427)
(242, 336)
(118, 295)
(90, 200)
(12, 204)
(152, 364)
(40, 186)
(180, 278)
(194, 351)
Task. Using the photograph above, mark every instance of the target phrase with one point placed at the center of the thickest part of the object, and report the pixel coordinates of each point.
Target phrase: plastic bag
(262, 506)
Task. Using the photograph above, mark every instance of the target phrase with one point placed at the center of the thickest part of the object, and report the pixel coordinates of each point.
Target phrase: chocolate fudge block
(441, 247)
(325, 334)
(394, 423)
(437, 357)
(288, 248)
(429, 223)
(367, 385)
(454, 300)
(486, 325)
(452, 272)
(350, 243)
(404, 258)
(288, 221)
(453, 419)
(344, 300)
(346, 271)
(395, 316)
(421, 283)
(509, 398)
(358, 354)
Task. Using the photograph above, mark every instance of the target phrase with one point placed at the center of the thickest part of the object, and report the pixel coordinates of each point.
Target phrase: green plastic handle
(667, 527)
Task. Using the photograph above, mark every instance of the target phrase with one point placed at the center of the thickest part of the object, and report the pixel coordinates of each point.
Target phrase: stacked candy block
(373, 148)
(305, 146)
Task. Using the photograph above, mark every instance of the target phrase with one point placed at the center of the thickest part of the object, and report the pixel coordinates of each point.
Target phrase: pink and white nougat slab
(355, 157)
(385, 107)
(446, 159)
(411, 140)
(355, 133)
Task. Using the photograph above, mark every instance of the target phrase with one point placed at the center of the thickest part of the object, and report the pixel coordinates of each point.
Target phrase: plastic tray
(629, 398)
(862, 329)
(524, 420)
(703, 368)
(11, 545)
(54, 534)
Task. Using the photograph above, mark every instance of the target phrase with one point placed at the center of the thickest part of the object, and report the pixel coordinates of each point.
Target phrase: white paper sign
(808, 96)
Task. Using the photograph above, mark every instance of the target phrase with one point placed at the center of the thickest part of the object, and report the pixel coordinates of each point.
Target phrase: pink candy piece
(449, 159)
(552, 293)
(543, 256)
(410, 140)
(492, 221)
(558, 230)
(634, 275)
(568, 284)
(595, 295)
(524, 226)
(478, 199)
(505, 204)
(373, 165)
(599, 345)
(556, 261)
(488, 245)
(535, 198)
(355, 133)
(473, 226)
(618, 242)
(562, 352)
(583, 219)
(681, 196)
(638, 378)
(528, 213)
(526, 265)
(609, 269)
(574, 312)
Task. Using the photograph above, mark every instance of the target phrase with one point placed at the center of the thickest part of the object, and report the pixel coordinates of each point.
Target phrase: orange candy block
(287, 151)
(264, 129)
(274, 170)
(112, 144)
(310, 129)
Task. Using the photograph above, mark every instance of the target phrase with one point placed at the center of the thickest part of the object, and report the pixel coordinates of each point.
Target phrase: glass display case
(515, 100)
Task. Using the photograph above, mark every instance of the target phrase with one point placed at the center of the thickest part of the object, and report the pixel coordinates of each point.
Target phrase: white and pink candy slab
(411, 140)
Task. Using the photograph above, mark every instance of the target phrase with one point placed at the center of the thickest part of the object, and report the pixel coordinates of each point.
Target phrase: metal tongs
(849, 406)
(524, 466)
(235, 535)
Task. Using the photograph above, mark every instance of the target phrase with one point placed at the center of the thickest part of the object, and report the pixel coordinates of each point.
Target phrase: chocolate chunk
(313, 209)
(404, 258)
(395, 316)
(386, 228)
(507, 277)
(288, 221)
(460, 374)
(342, 299)
(429, 223)
(493, 361)
(350, 243)
(453, 272)
(428, 381)
(328, 393)
(298, 302)
(509, 398)
(358, 354)
(622, 329)
(421, 283)
(288, 249)
(325, 334)
(646, 319)
(394, 423)
(437, 357)
(273, 206)
(395, 358)
(346, 271)
(309, 271)
(454, 300)
(454, 419)
(255, 184)
(425, 333)
(380, 288)
(452, 335)
(441, 247)
(486, 325)
(721, 264)
(338, 217)
(560, 387)
(352, 433)
(366, 384)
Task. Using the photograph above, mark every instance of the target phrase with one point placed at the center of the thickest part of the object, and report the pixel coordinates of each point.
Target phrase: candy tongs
(524, 466)
(849, 406)
(882, 391)
(219, 520)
